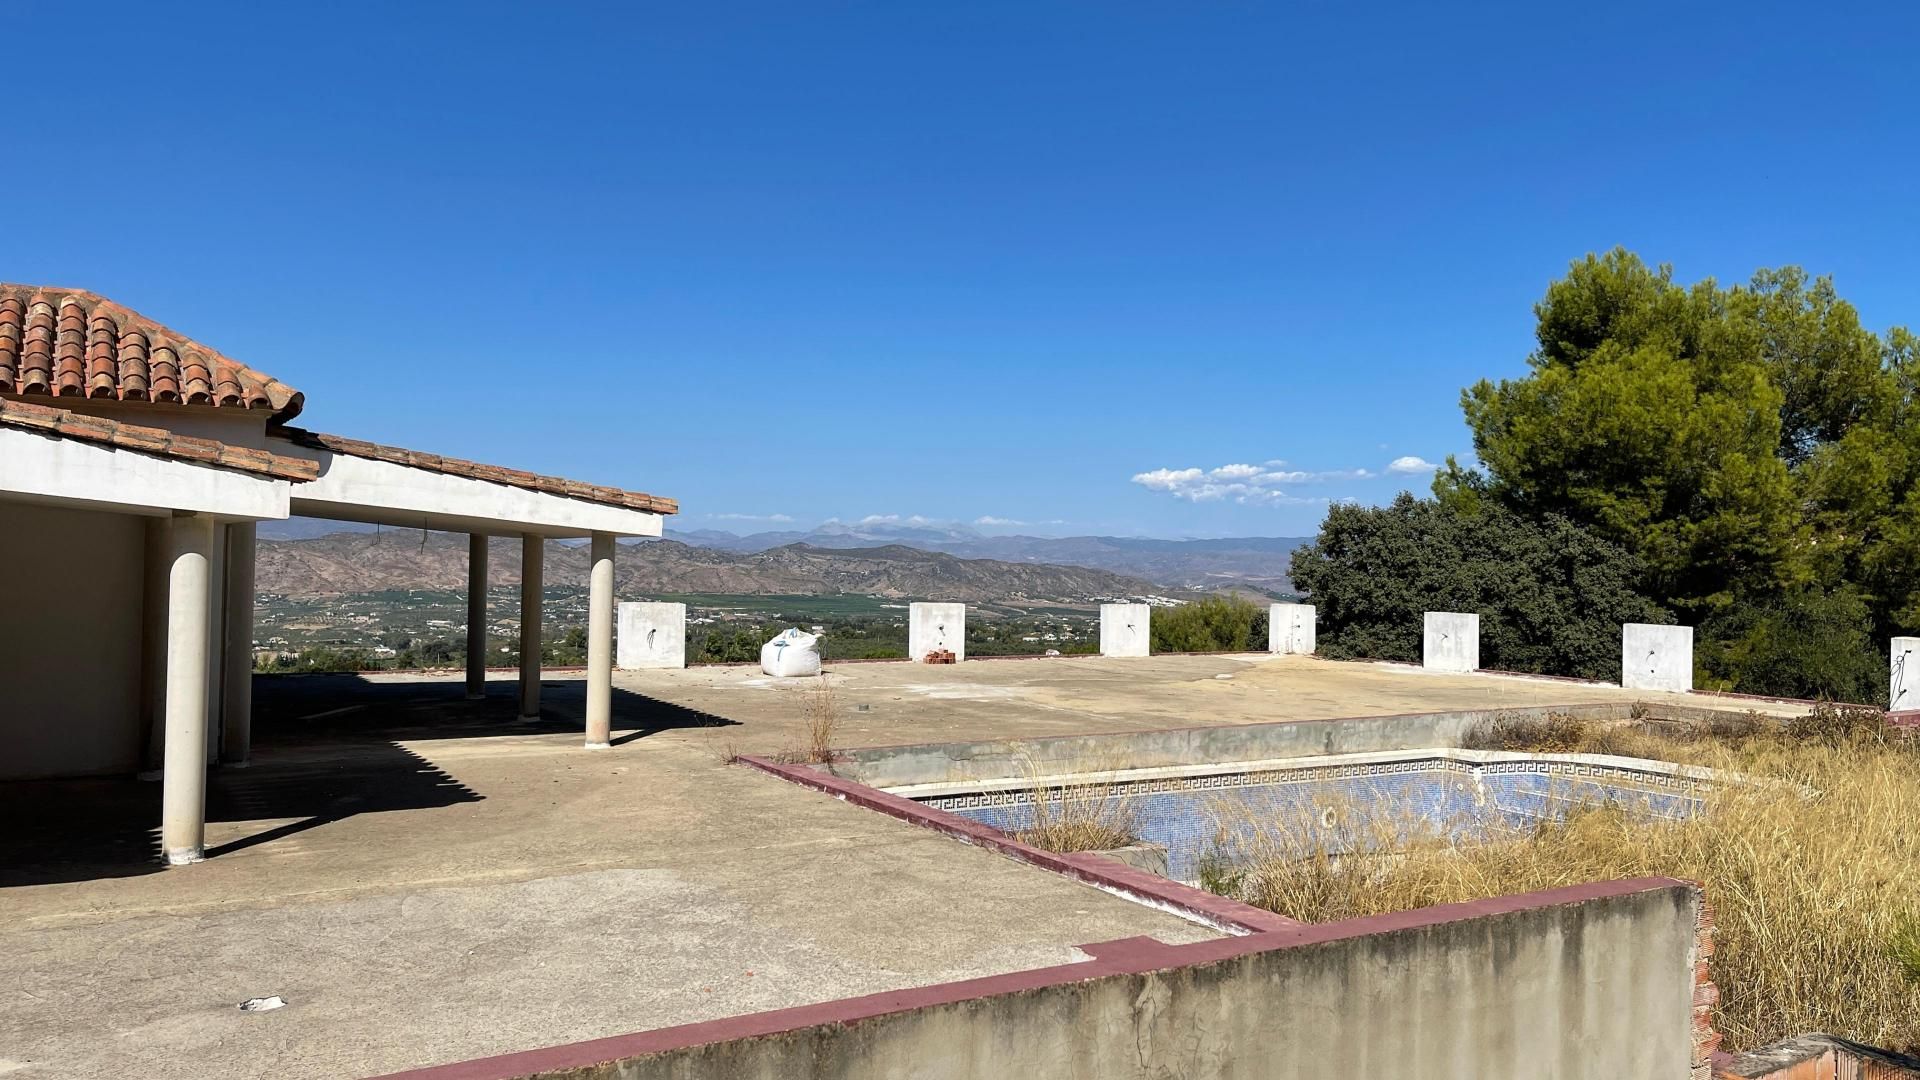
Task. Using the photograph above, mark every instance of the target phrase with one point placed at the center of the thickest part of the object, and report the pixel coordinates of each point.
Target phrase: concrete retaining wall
(1591, 983)
(932, 763)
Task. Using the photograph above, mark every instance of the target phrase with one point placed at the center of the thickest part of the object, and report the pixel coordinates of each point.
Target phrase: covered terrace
(140, 462)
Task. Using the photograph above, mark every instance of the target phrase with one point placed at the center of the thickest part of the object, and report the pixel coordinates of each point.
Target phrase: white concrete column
(1903, 683)
(1125, 630)
(236, 715)
(183, 796)
(476, 616)
(1290, 629)
(651, 635)
(600, 643)
(936, 627)
(533, 551)
(1654, 657)
(1451, 641)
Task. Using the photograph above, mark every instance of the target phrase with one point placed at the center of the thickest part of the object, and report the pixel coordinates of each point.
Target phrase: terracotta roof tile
(72, 343)
(67, 424)
(553, 485)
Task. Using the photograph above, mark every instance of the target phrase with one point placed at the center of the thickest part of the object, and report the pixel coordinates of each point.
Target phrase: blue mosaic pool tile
(1346, 808)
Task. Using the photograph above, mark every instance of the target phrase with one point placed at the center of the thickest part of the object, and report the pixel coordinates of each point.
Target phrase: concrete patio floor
(426, 879)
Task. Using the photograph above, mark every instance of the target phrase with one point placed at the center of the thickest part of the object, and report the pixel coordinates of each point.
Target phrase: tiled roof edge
(72, 343)
(67, 424)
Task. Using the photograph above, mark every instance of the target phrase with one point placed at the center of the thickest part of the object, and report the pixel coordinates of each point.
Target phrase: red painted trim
(1127, 956)
(1215, 910)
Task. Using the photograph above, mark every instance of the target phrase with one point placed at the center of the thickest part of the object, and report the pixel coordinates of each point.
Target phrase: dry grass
(822, 716)
(1093, 816)
(1816, 900)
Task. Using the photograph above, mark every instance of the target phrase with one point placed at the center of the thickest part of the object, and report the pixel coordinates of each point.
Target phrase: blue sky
(1174, 269)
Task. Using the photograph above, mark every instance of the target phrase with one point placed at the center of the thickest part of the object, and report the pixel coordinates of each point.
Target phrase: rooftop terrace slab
(426, 879)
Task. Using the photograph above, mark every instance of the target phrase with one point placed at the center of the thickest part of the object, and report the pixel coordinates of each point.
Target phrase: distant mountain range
(353, 562)
(1254, 563)
(1257, 562)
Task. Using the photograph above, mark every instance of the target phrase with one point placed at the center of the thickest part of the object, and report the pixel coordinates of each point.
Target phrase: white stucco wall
(936, 626)
(1290, 629)
(1451, 641)
(70, 642)
(1124, 629)
(651, 635)
(1903, 682)
(1656, 657)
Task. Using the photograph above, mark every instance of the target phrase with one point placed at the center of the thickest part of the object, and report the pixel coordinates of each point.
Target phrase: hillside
(357, 562)
(1246, 563)
(1259, 562)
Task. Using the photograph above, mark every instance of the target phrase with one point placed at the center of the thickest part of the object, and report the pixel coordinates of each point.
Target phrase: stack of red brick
(941, 656)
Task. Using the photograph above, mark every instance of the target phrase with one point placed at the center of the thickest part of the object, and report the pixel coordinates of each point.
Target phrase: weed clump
(1816, 896)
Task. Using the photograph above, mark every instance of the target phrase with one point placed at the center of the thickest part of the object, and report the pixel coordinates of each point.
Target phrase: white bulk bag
(791, 653)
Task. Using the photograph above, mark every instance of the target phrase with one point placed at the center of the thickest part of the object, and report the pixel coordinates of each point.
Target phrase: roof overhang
(44, 467)
(356, 488)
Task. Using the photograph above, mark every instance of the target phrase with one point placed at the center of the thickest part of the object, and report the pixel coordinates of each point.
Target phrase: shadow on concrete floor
(300, 709)
(326, 747)
(77, 830)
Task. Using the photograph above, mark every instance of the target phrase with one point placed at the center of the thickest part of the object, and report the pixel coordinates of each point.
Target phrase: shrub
(1550, 595)
(1803, 645)
(1215, 624)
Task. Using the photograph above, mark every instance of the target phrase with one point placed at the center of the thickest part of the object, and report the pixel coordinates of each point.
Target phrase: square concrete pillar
(935, 627)
(1124, 629)
(1903, 684)
(1451, 641)
(652, 636)
(1290, 629)
(1656, 657)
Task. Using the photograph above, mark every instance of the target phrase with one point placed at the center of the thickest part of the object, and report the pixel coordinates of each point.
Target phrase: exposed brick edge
(1106, 874)
(1126, 956)
(1706, 1038)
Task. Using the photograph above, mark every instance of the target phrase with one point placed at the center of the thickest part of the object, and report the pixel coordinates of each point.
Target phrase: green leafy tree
(1645, 416)
(1754, 446)
(1550, 595)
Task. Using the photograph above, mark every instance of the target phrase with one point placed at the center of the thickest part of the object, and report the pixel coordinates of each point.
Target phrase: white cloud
(1252, 484)
(1410, 465)
(893, 519)
(779, 518)
(990, 520)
